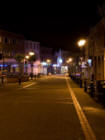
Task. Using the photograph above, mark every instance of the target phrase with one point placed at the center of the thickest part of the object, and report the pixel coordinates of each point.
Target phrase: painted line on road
(29, 85)
(26, 86)
(87, 130)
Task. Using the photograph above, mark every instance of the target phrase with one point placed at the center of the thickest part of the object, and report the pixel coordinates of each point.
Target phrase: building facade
(96, 50)
(46, 54)
(10, 45)
(32, 46)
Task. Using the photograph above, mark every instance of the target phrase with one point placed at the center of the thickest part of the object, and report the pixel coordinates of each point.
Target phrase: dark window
(6, 40)
(14, 41)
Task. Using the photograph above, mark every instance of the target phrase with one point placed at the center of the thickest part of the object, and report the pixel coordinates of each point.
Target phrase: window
(37, 47)
(6, 40)
(9, 41)
(14, 41)
(34, 46)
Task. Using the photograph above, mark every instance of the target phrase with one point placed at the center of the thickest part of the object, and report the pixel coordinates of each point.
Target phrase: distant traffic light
(1, 56)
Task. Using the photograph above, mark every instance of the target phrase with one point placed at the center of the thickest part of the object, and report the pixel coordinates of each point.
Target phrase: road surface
(51, 108)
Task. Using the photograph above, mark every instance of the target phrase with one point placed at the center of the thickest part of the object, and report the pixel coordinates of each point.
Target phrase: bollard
(92, 89)
(80, 83)
(100, 91)
(85, 86)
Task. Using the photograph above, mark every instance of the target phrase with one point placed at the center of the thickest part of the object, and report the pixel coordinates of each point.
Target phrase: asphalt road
(42, 110)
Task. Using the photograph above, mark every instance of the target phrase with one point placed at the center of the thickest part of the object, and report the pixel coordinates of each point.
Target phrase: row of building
(12, 44)
(93, 67)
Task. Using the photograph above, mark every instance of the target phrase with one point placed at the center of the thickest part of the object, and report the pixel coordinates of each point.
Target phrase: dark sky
(59, 24)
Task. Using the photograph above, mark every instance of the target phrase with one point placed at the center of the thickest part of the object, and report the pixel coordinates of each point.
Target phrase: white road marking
(29, 85)
(87, 130)
(26, 86)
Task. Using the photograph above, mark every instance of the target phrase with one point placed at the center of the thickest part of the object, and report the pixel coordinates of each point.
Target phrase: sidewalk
(94, 112)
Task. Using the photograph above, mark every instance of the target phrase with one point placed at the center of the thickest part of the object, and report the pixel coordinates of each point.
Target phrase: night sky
(58, 24)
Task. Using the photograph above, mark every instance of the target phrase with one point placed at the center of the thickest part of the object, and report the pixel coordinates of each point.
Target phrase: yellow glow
(67, 61)
(70, 59)
(48, 61)
(94, 110)
(27, 57)
(81, 42)
(31, 53)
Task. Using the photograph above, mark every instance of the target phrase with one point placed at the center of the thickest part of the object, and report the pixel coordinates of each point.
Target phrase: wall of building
(46, 53)
(32, 46)
(97, 50)
(11, 43)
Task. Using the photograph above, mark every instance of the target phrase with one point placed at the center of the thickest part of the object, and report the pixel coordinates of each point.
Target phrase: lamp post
(32, 58)
(26, 61)
(48, 61)
(69, 62)
(31, 53)
(81, 43)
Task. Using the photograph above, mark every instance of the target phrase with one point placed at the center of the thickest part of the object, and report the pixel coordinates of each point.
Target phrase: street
(51, 108)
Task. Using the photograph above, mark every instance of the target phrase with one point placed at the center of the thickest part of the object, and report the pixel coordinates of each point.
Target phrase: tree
(31, 60)
(19, 57)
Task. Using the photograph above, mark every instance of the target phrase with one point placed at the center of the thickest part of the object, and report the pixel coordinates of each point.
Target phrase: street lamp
(48, 61)
(31, 53)
(26, 61)
(48, 65)
(32, 58)
(69, 62)
(27, 57)
(81, 43)
(70, 59)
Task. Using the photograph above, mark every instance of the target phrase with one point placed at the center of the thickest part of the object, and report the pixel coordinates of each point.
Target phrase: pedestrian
(92, 88)
(2, 79)
(85, 86)
(80, 83)
(31, 75)
(19, 79)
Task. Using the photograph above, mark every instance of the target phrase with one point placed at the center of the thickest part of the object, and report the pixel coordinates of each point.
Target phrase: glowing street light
(31, 53)
(81, 42)
(48, 61)
(69, 60)
(27, 57)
